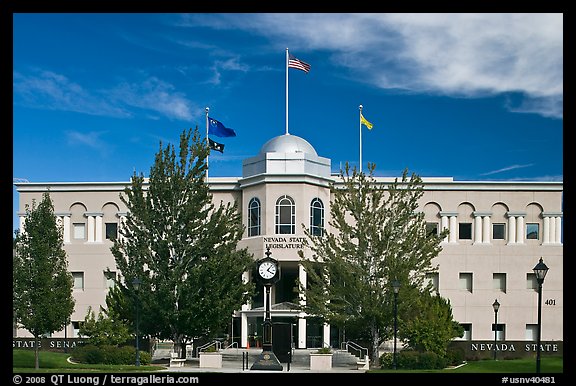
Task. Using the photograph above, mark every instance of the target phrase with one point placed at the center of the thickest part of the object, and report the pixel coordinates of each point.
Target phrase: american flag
(297, 63)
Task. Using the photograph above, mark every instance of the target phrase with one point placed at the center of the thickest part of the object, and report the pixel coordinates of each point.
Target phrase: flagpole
(360, 130)
(207, 144)
(287, 58)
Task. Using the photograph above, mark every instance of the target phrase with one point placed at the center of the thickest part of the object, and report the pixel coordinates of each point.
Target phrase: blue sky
(469, 96)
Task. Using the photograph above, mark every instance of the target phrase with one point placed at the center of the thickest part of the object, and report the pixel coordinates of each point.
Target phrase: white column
(302, 277)
(244, 318)
(90, 228)
(22, 218)
(558, 238)
(67, 228)
(121, 222)
(98, 228)
(546, 230)
(444, 225)
(520, 230)
(477, 229)
(326, 335)
(511, 230)
(244, 330)
(453, 230)
(486, 229)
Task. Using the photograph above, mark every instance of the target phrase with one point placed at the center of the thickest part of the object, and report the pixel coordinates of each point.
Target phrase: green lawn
(528, 366)
(23, 362)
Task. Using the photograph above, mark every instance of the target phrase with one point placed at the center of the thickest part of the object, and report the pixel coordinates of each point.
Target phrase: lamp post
(540, 270)
(495, 306)
(136, 285)
(396, 287)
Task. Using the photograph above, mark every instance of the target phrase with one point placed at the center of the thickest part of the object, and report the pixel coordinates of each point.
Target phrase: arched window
(254, 211)
(316, 217)
(285, 215)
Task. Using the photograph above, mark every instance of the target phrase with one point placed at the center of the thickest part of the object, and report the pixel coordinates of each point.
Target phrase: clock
(267, 269)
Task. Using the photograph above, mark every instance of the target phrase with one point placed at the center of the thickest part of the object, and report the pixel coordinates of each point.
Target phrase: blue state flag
(216, 127)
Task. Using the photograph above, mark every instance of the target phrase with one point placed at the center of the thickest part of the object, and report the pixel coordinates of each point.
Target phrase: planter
(211, 359)
(320, 361)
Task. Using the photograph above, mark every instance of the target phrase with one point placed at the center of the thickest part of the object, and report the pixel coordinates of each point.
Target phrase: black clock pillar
(267, 359)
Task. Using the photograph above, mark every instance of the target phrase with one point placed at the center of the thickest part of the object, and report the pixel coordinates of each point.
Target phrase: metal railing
(353, 348)
(217, 345)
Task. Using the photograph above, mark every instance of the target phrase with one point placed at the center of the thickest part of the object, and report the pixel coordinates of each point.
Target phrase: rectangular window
(110, 279)
(75, 329)
(432, 228)
(111, 230)
(499, 231)
(465, 231)
(532, 231)
(467, 335)
(466, 281)
(433, 278)
(78, 280)
(499, 282)
(531, 332)
(500, 329)
(79, 231)
(531, 282)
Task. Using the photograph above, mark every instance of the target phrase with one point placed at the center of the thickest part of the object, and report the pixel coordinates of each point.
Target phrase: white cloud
(469, 55)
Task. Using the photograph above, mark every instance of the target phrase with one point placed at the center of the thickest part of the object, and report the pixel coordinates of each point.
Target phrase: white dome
(288, 143)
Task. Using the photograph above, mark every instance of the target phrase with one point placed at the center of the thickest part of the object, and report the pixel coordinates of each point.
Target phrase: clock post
(268, 273)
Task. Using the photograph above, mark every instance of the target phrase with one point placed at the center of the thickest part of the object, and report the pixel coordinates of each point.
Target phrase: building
(498, 232)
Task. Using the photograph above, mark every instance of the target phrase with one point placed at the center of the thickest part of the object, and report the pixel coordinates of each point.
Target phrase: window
(110, 279)
(285, 215)
(531, 282)
(499, 282)
(316, 217)
(111, 230)
(432, 278)
(254, 217)
(75, 329)
(79, 231)
(532, 231)
(465, 231)
(466, 281)
(531, 333)
(78, 280)
(432, 228)
(467, 335)
(500, 329)
(499, 231)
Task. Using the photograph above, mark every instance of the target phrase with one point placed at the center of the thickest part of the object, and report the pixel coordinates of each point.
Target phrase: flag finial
(207, 109)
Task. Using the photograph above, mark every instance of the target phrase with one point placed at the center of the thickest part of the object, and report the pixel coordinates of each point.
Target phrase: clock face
(267, 270)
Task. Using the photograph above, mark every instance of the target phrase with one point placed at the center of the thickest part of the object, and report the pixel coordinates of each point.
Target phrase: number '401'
(550, 302)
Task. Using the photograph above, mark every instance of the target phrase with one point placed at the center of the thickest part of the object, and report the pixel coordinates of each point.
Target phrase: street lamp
(136, 285)
(496, 306)
(396, 287)
(540, 270)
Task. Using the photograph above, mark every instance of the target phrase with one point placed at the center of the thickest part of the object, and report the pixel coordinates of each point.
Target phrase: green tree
(42, 286)
(182, 247)
(378, 236)
(104, 329)
(427, 324)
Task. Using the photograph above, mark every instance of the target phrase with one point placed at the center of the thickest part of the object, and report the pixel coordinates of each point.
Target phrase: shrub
(109, 355)
(324, 350)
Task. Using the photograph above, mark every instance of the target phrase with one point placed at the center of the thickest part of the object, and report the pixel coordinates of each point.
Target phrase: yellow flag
(365, 122)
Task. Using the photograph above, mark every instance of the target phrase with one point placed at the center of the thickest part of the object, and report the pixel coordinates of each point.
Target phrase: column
(121, 221)
(520, 229)
(477, 229)
(511, 230)
(99, 227)
(326, 335)
(486, 229)
(22, 218)
(302, 277)
(67, 228)
(444, 225)
(453, 229)
(90, 230)
(244, 317)
(558, 235)
(546, 230)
